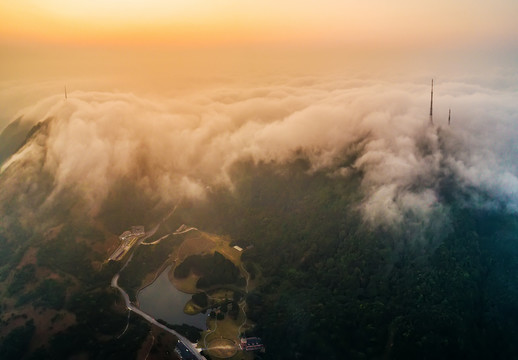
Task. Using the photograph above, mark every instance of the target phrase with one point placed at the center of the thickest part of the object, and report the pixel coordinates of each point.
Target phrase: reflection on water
(163, 301)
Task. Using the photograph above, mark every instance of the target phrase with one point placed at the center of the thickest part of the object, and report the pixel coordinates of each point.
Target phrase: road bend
(192, 347)
(115, 284)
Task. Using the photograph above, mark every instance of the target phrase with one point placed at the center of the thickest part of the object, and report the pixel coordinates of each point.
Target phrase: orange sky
(186, 22)
(170, 47)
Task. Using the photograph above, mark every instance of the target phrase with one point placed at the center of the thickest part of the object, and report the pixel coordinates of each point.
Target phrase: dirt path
(242, 303)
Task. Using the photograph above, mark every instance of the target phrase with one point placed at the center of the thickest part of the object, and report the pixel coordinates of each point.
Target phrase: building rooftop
(251, 343)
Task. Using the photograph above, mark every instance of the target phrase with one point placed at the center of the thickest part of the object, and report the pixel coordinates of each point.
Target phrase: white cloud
(179, 147)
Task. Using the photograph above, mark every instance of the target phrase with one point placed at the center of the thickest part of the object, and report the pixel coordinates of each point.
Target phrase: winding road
(115, 284)
(242, 304)
(150, 319)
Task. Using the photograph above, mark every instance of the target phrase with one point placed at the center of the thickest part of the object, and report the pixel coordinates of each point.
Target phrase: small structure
(431, 105)
(125, 235)
(128, 239)
(184, 352)
(238, 248)
(251, 344)
(118, 253)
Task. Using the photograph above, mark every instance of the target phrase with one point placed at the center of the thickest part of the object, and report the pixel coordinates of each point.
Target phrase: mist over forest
(375, 233)
(180, 147)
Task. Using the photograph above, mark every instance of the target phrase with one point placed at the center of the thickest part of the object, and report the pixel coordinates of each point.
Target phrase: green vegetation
(16, 343)
(82, 340)
(213, 270)
(336, 288)
(13, 244)
(22, 277)
(98, 330)
(330, 287)
(94, 311)
(6, 251)
(65, 254)
(49, 294)
(200, 299)
(146, 260)
(217, 298)
(98, 323)
(127, 205)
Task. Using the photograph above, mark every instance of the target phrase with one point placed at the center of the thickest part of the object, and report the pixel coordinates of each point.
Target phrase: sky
(140, 40)
(206, 22)
(171, 47)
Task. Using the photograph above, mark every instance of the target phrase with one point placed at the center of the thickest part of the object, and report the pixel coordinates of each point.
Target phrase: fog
(179, 143)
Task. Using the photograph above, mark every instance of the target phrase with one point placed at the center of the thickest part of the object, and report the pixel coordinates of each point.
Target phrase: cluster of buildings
(134, 231)
(128, 239)
(251, 344)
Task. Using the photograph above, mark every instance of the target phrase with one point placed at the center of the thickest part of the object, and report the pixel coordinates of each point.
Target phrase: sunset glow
(376, 22)
(258, 179)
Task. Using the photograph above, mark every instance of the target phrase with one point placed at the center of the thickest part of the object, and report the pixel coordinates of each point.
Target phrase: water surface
(163, 301)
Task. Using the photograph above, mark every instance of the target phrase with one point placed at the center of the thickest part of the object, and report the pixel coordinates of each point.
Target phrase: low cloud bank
(178, 147)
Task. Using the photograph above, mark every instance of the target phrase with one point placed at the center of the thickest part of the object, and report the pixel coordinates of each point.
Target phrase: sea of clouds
(181, 146)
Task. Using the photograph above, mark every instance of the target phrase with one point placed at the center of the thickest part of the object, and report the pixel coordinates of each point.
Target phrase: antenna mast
(449, 116)
(431, 106)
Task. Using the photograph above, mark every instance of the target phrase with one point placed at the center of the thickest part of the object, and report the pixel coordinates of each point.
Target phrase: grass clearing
(219, 295)
(200, 243)
(222, 348)
(222, 337)
(158, 345)
(195, 242)
(191, 308)
(227, 331)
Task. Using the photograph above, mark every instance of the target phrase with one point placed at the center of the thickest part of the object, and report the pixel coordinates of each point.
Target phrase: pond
(163, 301)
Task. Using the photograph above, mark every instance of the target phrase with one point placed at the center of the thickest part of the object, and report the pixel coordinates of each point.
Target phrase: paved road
(177, 232)
(149, 318)
(242, 304)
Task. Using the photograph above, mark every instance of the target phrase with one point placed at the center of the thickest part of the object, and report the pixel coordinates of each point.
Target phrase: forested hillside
(332, 284)
(336, 287)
